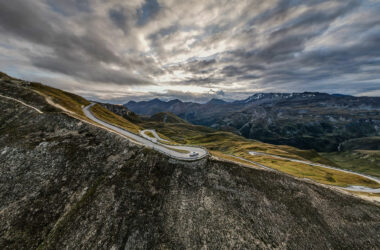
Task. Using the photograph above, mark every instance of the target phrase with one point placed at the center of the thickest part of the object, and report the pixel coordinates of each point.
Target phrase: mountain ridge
(253, 97)
(308, 120)
(73, 185)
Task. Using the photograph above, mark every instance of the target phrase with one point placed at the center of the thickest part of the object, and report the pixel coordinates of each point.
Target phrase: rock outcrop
(67, 184)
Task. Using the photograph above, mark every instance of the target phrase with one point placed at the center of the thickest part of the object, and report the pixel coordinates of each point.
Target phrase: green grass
(362, 161)
(75, 103)
(319, 174)
(363, 143)
(112, 118)
(224, 142)
(231, 158)
(150, 134)
(105, 115)
(180, 133)
(310, 155)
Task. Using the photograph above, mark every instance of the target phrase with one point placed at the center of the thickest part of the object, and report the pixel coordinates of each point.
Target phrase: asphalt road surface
(169, 150)
(154, 133)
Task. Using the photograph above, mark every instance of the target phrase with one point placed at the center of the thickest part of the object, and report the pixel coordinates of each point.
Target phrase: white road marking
(23, 103)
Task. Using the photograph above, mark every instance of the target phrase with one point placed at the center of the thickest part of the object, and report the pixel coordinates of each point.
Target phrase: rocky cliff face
(122, 111)
(68, 184)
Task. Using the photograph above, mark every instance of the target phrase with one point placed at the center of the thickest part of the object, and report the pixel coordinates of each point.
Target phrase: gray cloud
(69, 7)
(119, 18)
(82, 55)
(186, 48)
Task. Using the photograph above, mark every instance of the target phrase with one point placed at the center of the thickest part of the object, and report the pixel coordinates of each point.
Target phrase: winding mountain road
(177, 152)
(350, 188)
(154, 133)
(185, 152)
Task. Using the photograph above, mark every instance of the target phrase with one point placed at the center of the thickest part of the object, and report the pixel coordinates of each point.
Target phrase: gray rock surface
(65, 184)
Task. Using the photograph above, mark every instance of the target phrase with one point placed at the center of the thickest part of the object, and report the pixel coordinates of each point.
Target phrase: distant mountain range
(309, 120)
(70, 184)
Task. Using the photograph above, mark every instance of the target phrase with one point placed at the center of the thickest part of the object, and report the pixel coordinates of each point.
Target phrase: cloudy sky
(116, 50)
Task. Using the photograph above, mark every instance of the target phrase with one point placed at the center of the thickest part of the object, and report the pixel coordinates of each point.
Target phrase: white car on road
(193, 154)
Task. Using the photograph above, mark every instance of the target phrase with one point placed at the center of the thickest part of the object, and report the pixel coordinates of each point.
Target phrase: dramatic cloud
(193, 50)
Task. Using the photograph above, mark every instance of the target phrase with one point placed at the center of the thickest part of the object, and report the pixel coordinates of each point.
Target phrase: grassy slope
(364, 161)
(167, 118)
(364, 143)
(220, 142)
(322, 175)
(75, 103)
(150, 134)
(224, 141)
(112, 118)
(69, 101)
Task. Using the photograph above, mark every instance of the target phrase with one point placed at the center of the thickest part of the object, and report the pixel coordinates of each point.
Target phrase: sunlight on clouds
(133, 47)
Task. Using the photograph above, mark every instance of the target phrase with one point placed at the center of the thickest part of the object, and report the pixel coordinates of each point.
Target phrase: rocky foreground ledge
(67, 184)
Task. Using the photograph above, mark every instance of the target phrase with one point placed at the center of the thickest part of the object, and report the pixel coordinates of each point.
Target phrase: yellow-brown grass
(114, 119)
(69, 101)
(319, 174)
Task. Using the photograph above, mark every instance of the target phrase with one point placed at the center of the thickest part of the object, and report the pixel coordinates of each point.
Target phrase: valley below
(309, 120)
(161, 124)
